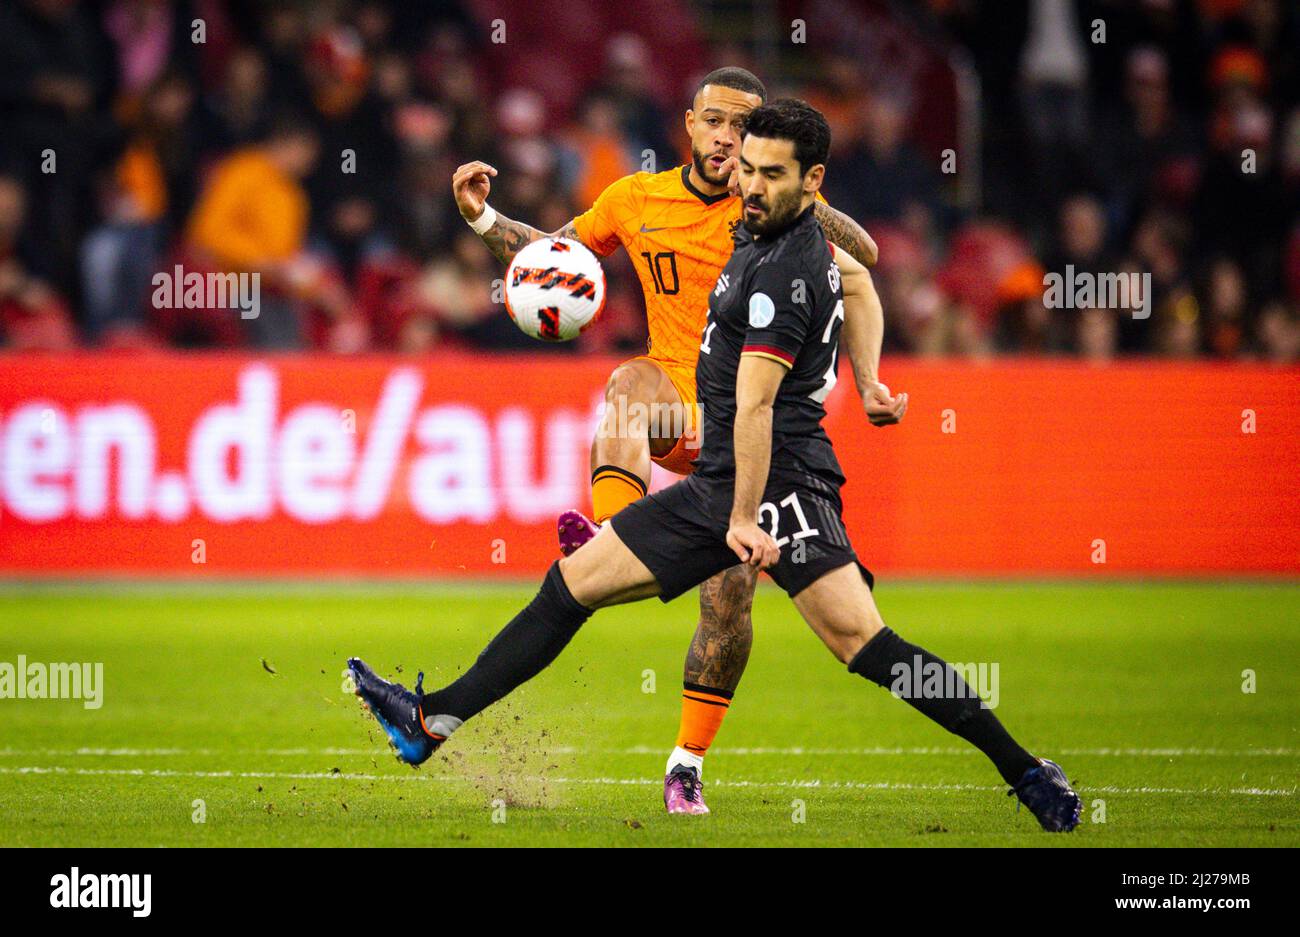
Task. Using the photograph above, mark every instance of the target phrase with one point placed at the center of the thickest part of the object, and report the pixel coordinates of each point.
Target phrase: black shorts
(680, 533)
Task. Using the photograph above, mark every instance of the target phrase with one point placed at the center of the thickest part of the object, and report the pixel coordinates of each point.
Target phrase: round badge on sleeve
(761, 311)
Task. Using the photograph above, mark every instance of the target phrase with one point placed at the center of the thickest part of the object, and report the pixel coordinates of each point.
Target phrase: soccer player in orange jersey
(677, 226)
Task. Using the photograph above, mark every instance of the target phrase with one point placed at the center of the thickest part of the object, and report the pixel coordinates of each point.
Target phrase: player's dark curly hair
(796, 121)
(738, 79)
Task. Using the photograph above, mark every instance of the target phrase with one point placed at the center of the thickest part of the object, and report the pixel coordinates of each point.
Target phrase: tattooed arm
(846, 234)
(470, 185)
(508, 237)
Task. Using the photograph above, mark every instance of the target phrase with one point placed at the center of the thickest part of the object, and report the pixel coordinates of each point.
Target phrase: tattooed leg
(725, 633)
(714, 664)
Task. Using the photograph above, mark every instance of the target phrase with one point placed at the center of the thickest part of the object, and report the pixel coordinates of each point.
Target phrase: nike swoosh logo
(645, 230)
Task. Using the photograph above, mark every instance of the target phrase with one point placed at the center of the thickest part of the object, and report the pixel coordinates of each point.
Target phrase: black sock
(960, 712)
(521, 651)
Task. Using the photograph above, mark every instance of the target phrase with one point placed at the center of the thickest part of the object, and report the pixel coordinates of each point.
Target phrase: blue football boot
(1048, 795)
(397, 710)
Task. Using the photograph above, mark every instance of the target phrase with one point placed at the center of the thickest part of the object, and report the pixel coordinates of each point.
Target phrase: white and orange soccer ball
(555, 289)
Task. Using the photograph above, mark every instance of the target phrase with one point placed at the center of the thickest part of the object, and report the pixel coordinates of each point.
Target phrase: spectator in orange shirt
(253, 212)
(252, 217)
(600, 148)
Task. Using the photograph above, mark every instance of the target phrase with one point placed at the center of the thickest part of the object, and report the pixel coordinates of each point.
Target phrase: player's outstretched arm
(862, 336)
(846, 234)
(505, 237)
(757, 381)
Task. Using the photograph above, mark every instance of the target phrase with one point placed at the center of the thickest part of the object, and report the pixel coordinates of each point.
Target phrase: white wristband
(485, 220)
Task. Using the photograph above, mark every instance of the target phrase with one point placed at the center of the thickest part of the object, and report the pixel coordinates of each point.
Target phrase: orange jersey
(250, 213)
(679, 240)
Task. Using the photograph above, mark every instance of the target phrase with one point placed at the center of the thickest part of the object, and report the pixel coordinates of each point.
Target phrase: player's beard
(705, 171)
(780, 214)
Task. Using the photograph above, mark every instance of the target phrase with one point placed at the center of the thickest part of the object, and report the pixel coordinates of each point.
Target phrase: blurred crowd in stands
(314, 144)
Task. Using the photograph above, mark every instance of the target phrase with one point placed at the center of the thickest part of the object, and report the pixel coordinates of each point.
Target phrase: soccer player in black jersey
(766, 490)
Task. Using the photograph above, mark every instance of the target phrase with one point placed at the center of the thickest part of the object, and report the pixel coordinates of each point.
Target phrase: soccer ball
(555, 288)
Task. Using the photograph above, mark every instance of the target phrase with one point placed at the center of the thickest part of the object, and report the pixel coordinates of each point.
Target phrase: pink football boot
(575, 529)
(684, 791)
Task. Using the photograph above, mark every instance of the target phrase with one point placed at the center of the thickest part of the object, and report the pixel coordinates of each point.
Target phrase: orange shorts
(681, 459)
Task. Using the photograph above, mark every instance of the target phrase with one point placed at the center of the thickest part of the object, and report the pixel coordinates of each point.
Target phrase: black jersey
(779, 297)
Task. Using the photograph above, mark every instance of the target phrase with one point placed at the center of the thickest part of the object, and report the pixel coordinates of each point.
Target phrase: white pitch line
(659, 750)
(961, 750)
(647, 782)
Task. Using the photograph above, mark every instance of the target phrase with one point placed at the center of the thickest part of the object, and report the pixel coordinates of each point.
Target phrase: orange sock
(702, 712)
(612, 489)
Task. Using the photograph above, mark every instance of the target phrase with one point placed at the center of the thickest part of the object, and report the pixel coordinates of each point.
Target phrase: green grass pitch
(1137, 689)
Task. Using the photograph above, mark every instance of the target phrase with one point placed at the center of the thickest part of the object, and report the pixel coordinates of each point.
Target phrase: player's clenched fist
(753, 545)
(470, 184)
